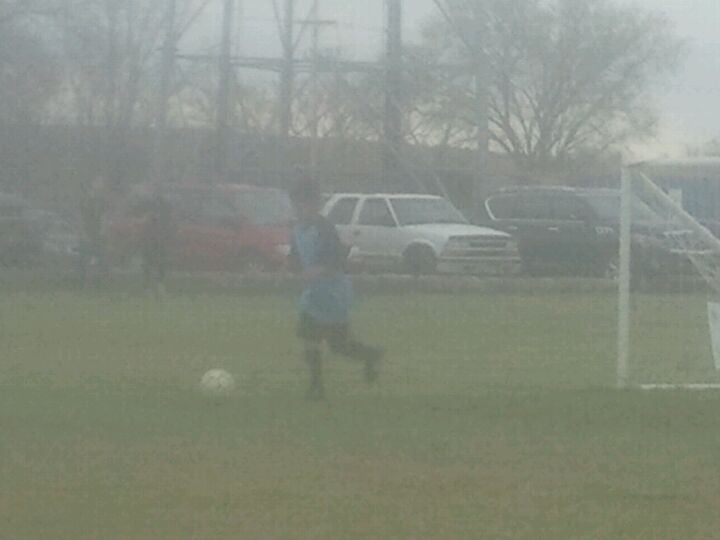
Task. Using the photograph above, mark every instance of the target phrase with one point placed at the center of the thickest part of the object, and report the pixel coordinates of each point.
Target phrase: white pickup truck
(418, 234)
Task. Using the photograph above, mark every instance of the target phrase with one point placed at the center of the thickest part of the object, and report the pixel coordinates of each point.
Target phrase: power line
(292, 32)
(393, 121)
(223, 110)
(166, 81)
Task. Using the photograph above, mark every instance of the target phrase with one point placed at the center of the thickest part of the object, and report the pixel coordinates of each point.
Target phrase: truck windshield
(425, 211)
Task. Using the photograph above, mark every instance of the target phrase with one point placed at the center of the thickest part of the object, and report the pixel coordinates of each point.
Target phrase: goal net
(669, 284)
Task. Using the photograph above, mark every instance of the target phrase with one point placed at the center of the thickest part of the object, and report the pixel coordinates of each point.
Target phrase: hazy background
(689, 104)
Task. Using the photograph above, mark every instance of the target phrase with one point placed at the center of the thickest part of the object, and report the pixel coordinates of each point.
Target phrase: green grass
(495, 418)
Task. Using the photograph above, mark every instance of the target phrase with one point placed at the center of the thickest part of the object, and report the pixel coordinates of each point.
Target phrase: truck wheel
(419, 261)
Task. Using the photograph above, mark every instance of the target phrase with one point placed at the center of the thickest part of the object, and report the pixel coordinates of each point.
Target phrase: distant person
(156, 235)
(318, 254)
(94, 206)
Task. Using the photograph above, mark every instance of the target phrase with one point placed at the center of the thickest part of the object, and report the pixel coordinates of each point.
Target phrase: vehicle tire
(419, 261)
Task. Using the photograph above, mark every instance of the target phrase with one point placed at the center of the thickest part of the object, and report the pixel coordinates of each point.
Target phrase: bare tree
(711, 149)
(111, 52)
(564, 76)
(28, 74)
(349, 106)
(110, 49)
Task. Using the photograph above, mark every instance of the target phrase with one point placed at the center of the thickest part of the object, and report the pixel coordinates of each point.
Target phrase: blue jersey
(327, 298)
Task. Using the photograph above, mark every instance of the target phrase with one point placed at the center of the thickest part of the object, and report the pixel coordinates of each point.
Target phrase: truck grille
(478, 247)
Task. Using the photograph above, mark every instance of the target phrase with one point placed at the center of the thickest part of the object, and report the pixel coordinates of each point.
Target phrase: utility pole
(287, 76)
(315, 76)
(474, 41)
(112, 64)
(482, 104)
(166, 82)
(316, 24)
(393, 123)
(112, 134)
(223, 109)
(287, 91)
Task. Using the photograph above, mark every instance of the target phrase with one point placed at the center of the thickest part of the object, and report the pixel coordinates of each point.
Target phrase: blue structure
(695, 182)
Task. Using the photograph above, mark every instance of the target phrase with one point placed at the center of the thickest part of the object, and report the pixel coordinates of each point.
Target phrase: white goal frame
(710, 244)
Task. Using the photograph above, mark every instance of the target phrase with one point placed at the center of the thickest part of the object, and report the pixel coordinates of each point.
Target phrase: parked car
(225, 227)
(576, 230)
(418, 234)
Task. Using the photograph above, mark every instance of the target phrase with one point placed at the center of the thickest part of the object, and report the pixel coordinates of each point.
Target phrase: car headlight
(453, 248)
(454, 244)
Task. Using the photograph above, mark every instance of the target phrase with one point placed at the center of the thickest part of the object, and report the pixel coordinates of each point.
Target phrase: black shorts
(309, 329)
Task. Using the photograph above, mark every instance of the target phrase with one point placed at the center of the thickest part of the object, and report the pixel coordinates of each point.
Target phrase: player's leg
(313, 358)
(341, 342)
(312, 336)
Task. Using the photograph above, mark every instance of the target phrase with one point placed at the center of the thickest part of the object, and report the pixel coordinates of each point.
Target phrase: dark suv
(575, 231)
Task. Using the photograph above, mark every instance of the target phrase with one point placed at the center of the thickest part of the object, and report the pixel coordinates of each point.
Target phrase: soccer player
(319, 255)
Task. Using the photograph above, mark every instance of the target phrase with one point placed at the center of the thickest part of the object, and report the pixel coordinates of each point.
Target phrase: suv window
(537, 206)
(567, 207)
(375, 212)
(503, 207)
(343, 211)
(540, 205)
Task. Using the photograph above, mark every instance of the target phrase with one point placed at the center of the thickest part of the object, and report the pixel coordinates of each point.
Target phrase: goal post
(625, 269)
(669, 276)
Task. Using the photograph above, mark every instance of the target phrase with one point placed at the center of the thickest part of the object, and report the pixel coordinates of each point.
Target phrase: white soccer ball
(217, 383)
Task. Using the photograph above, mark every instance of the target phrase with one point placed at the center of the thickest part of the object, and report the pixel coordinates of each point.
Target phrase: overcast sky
(690, 104)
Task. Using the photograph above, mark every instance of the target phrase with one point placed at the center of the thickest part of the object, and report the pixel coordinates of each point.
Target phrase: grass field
(496, 417)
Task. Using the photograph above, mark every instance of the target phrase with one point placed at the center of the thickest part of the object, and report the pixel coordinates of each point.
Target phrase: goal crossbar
(695, 387)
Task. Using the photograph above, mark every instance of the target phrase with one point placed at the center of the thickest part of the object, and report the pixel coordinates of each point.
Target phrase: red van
(220, 227)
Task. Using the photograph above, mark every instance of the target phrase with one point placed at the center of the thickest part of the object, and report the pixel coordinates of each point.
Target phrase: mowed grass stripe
(496, 418)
